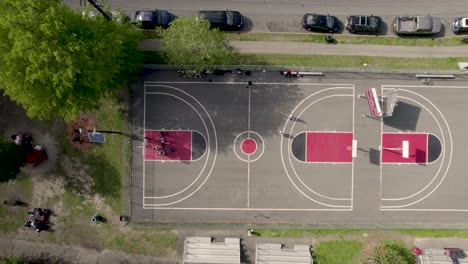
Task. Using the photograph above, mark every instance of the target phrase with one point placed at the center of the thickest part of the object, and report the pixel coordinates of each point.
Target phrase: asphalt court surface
(246, 172)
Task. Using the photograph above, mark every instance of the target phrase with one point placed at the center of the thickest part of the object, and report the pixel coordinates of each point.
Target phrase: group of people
(162, 150)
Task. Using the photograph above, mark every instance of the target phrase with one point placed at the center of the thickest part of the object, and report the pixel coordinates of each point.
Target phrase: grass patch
(301, 233)
(348, 39)
(149, 243)
(12, 218)
(337, 61)
(338, 252)
(435, 232)
(164, 240)
(105, 160)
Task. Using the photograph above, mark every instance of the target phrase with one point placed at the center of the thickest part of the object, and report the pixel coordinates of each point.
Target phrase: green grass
(163, 240)
(105, 160)
(338, 252)
(301, 233)
(13, 218)
(333, 61)
(348, 39)
(355, 61)
(435, 232)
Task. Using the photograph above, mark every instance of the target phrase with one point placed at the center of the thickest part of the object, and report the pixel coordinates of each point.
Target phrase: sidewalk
(333, 49)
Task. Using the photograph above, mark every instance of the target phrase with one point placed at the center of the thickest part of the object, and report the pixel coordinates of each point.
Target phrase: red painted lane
(180, 142)
(329, 147)
(417, 147)
(248, 146)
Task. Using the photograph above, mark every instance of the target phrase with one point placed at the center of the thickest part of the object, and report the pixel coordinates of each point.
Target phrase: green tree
(55, 63)
(392, 252)
(12, 157)
(190, 43)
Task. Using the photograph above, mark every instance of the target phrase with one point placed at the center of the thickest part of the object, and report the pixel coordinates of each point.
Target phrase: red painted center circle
(248, 146)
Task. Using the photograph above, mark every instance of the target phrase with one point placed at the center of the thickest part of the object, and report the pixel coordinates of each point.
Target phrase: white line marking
(423, 86)
(208, 143)
(144, 147)
(147, 206)
(380, 153)
(248, 181)
(289, 149)
(259, 156)
(443, 151)
(352, 166)
(151, 83)
(206, 128)
(443, 147)
(423, 210)
(248, 156)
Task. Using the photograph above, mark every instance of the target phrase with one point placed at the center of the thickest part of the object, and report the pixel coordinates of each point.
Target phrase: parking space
(290, 151)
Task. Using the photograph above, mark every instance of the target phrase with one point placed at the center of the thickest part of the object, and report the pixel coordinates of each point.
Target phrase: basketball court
(301, 153)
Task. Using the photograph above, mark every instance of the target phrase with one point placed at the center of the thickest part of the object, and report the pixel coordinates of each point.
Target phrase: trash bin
(96, 218)
(329, 38)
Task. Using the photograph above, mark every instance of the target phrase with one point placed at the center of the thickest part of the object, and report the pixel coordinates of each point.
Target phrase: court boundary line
(352, 87)
(257, 83)
(450, 138)
(443, 152)
(208, 140)
(161, 206)
(245, 209)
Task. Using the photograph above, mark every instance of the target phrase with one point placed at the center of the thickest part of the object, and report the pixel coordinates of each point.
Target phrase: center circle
(248, 146)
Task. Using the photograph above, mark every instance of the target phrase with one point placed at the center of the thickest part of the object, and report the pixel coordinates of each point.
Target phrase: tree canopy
(392, 252)
(55, 63)
(12, 158)
(190, 43)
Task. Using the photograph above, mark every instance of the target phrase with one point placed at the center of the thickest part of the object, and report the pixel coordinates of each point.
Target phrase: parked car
(460, 25)
(418, 25)
(364, 24)
(149, 19)
(321, 23)
(224, 20)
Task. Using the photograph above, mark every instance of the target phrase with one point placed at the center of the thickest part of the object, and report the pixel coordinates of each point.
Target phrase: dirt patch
(77, 131)
(76, 176)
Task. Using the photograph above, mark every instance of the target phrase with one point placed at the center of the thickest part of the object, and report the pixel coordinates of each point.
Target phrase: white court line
(380, 153)
(206, 128)
(443, 146)
(289, 149)
(423, 210)
(243, 83)
(423, 86)
(144, 147)
(443, 149)
(248, 181)
(248, 156)
(208, 143)
(352, 165)
(243, 209)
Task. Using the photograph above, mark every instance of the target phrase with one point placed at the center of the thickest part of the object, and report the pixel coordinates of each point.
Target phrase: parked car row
(224, 20)
(233, 20)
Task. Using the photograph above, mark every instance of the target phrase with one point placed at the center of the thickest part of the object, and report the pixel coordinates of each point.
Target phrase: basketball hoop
(404, 149)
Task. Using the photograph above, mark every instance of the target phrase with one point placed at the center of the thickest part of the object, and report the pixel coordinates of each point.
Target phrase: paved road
(343, 49)
(285, 15)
